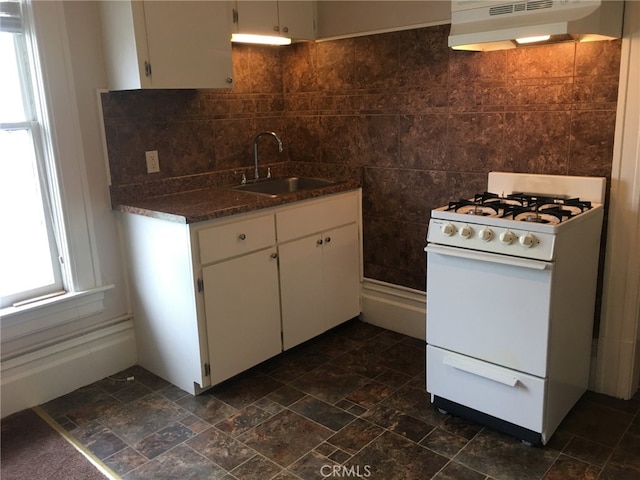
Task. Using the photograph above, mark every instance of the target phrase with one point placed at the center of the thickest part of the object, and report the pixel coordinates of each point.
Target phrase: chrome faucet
(255, 150)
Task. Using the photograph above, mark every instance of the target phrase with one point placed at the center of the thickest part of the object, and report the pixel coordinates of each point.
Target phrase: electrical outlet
(153, 163)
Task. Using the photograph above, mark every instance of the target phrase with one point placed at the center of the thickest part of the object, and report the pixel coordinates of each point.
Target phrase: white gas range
(511, 282)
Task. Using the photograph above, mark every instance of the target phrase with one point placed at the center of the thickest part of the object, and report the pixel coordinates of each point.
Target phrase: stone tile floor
(348, 404)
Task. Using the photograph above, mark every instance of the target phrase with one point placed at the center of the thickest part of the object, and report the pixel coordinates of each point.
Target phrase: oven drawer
(506, 394)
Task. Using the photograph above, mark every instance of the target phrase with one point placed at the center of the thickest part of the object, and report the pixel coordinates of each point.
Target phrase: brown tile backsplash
(425, 123)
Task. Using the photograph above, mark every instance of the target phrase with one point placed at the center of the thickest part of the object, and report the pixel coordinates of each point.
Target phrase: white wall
(44, 363)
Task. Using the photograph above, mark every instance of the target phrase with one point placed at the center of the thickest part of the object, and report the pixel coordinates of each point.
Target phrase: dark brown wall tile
(336, 65)
(377, 61)
(537, 142)
(549, 61)
(427, 124)
(378, 139)
(591, 150)
(475, 142)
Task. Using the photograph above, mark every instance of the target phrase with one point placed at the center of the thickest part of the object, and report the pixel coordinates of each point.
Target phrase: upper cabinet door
(297, 19)
(189, 44)
(167, 44)
(293, 19)
(259, 18)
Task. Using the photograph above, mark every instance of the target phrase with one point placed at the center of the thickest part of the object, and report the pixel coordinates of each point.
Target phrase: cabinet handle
(274, 255)
(242, 236)
(276, 28)
(327, 240)
(319, 242)
(229, 80)
(285, 29)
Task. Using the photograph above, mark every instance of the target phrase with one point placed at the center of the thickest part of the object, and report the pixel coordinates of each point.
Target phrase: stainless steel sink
(272, 187)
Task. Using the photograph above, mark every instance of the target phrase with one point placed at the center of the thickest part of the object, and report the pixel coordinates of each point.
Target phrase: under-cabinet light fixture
(541, 38)
(262, 39)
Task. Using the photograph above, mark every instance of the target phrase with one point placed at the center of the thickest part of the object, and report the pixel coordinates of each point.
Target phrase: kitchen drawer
(506, 394)
(237, 238)
(317, 216)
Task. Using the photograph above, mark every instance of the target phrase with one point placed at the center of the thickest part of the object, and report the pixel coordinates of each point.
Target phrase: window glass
(29, 257)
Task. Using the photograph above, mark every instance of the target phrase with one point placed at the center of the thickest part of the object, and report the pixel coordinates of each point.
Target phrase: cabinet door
(189, 43)
(242, 313)
(341, 274)
(260, 18)
(301, 290)
(297, 19)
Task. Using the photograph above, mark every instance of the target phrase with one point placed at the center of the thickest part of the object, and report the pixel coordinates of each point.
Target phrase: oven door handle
(481, 370)
(488, 257)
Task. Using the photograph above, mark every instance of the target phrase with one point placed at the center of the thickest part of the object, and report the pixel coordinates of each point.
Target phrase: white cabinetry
(168, 44)
(319, 268)
(207, 296)
(293, 19)
(241, 298)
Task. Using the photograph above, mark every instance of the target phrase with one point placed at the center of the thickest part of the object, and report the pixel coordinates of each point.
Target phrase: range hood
(495, 25)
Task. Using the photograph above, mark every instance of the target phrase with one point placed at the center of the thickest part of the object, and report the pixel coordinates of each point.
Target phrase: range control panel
(516, 242)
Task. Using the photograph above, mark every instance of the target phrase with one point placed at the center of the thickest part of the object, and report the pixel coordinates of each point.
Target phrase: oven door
(491, 307)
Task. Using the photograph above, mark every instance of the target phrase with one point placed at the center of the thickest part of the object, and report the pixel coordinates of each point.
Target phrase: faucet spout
(256, 175)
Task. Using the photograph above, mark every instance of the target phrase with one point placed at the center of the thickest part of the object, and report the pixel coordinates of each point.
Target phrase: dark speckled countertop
(203, 204)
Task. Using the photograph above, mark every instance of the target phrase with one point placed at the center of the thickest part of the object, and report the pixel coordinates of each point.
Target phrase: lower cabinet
(215, 298)
(319, 283)
(241, 302)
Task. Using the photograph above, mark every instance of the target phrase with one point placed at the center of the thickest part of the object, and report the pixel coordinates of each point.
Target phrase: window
(30, 257)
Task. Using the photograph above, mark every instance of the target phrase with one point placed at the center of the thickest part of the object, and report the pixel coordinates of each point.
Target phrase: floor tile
(161, 441)
(256, 468)
(243, 420)
(455, 471)
(100, 440)
(245, 389)
(285, 437)
(143, 417)
(314, 466)
(179, 463)
(391, 456)
(323, 413)
(597, 422)
(353, 399)
(355, 436)
(221, 448)
(125, 460)
(568, 468)
(398, 422)
(329, 383)
(505, 458)
(206, 407)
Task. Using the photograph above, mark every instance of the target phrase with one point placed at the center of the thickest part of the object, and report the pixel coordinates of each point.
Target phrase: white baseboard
(45, 374)
(394, 307)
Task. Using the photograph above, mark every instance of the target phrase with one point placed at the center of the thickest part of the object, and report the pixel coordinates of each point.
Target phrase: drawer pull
(242, 236)
(480, 370)
(319, 242)
(274, 255)
(327, 240)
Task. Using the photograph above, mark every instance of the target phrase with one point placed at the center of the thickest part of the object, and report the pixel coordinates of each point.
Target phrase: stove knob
(507, 237)
(448, 230)
(486, 234)
(466, 231)
(527, 240)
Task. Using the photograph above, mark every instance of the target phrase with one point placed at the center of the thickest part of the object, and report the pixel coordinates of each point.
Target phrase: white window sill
(28, 319)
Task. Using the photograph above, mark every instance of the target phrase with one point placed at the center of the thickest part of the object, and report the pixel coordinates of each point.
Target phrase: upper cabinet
(356, 18)
(293, 19)
(168, 44)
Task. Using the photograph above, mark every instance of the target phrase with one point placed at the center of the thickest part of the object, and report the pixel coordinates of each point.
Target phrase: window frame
(74, 207)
